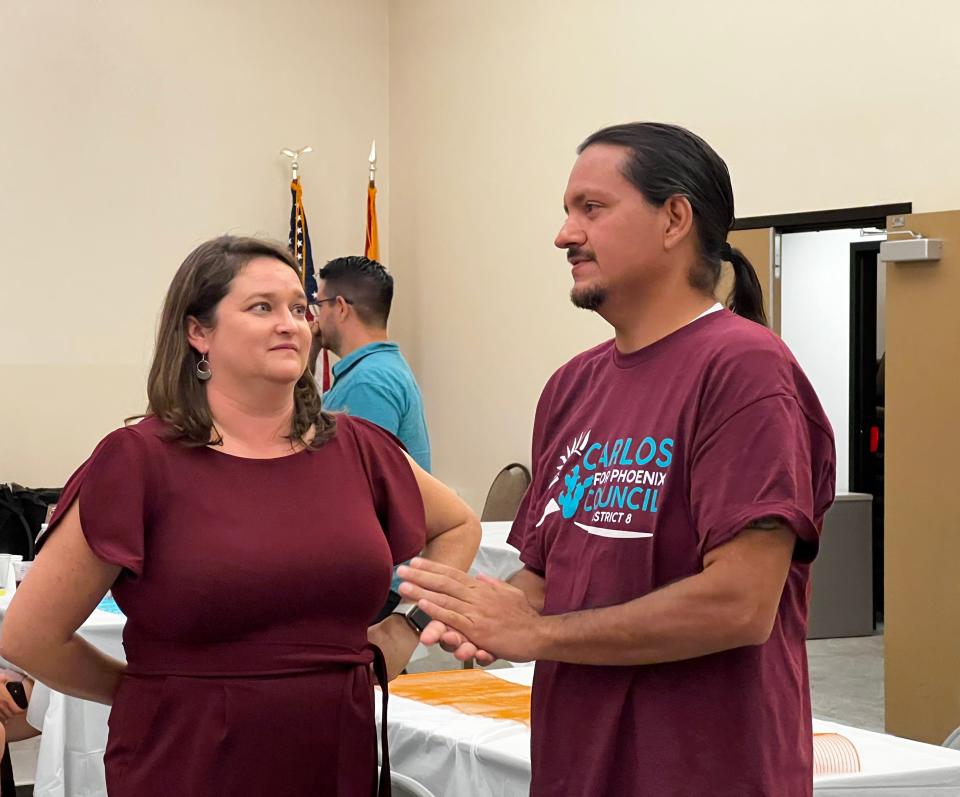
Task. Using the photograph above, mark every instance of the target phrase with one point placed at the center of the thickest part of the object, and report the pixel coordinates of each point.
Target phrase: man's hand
(483, 612)
(456, 643)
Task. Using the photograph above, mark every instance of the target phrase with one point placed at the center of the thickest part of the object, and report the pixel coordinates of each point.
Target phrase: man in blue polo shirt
(372, 379)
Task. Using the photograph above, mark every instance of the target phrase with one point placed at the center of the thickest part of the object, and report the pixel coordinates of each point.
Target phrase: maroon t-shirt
(248, 585)
(643, 463)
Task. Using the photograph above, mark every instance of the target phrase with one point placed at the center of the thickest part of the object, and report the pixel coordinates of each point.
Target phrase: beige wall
(813, 105)
(131, 132)
(128, 137)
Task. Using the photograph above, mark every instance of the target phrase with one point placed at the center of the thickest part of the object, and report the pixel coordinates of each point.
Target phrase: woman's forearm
(396, 641)
(457, 546)
(75, 668)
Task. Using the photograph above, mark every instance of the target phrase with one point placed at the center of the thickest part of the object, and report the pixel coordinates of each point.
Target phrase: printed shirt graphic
(642, 464)
(609, 482)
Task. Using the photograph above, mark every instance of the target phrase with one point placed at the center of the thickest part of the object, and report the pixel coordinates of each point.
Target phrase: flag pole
(373, 164)
(294, 155)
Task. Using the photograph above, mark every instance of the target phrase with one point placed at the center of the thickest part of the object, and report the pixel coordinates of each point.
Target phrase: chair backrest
(506, 492)
(403, 786)
(953, 740)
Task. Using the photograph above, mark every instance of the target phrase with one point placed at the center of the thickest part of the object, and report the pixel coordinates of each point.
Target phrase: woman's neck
(252, 426)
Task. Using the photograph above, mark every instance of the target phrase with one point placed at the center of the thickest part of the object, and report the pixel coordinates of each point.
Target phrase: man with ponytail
(681, 474)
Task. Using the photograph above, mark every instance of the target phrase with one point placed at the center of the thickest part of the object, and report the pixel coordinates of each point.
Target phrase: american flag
(299, 244)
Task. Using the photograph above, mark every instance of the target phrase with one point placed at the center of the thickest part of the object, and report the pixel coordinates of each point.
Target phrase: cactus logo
(603, 487)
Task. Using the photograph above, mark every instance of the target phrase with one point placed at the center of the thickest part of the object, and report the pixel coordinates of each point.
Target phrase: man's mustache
(578, 253)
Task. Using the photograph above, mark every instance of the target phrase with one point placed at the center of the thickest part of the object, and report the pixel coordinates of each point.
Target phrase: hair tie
(726, 252)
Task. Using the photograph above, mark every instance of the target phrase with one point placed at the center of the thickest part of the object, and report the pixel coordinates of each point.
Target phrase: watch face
(418, 618)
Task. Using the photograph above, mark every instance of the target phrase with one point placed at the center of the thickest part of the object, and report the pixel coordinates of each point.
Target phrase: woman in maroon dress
(248, 537)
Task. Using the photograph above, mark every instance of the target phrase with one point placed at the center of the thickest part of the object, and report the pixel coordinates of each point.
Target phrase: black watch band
(416, 617)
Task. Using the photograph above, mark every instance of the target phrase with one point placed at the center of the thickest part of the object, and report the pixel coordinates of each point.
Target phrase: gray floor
(846, 680)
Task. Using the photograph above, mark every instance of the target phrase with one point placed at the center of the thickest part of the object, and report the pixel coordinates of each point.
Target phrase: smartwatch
(416, 617)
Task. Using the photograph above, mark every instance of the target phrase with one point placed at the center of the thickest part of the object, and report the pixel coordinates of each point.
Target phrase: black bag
(22, 512)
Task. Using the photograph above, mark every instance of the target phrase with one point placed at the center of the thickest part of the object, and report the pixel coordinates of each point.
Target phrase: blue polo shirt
(374, 382)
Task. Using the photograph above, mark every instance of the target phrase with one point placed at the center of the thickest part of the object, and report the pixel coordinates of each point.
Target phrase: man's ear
(343, 308)
(678, 222)
(197, 335)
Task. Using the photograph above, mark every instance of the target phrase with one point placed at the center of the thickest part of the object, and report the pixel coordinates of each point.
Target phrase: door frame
(813, 221)
(837, 219)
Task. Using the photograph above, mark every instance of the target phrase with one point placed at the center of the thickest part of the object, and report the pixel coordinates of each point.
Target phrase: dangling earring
(203, 369)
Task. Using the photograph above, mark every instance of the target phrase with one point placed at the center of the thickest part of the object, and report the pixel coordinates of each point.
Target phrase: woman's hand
(396, 640)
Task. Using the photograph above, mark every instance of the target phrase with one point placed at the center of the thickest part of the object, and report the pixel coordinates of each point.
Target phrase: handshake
(479, 618)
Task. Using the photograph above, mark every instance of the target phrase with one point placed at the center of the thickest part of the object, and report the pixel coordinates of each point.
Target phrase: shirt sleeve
(526, 538)
(111, 488)
(373, 402)
(526, 533)
(396, 494)
(767, 460)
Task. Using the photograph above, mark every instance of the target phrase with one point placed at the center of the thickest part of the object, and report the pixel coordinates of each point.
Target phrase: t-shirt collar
(665, 343)
(716, 306)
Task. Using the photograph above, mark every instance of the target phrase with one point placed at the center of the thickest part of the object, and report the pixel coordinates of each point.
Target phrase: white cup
(20, 570)
(6, 561)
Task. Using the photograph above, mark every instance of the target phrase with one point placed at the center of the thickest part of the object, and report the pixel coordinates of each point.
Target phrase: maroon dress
(248, 585)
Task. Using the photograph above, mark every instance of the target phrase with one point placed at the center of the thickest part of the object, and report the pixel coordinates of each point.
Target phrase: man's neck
(640, 323)
(349, 343)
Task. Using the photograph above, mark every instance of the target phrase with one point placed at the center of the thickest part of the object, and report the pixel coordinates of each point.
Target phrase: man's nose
(570, 235)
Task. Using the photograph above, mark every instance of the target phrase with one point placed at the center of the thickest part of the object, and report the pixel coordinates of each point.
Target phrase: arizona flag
(372, 248)
(299, 244)
(373, 239)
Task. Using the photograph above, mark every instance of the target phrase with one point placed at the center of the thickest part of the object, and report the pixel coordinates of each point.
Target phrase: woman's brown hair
(174, 393)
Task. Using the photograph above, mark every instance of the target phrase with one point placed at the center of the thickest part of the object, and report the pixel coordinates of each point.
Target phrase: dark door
(867, 398)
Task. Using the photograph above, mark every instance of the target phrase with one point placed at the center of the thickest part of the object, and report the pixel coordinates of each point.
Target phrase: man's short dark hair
(364, 282)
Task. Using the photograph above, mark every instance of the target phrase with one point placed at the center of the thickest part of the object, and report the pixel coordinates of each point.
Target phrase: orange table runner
(468, 691)
(481, 694)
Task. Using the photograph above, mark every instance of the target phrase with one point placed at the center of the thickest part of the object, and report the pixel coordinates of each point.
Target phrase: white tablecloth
(495, 557)
(452, 753)
(458, 754)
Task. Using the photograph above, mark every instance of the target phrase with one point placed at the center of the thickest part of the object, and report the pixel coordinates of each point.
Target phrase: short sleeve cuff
(808, 536)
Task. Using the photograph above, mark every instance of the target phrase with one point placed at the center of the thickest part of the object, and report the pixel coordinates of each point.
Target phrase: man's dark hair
(364, 282)
(666, 160)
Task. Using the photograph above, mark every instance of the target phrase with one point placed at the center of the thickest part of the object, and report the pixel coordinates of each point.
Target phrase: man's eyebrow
(580, 196)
